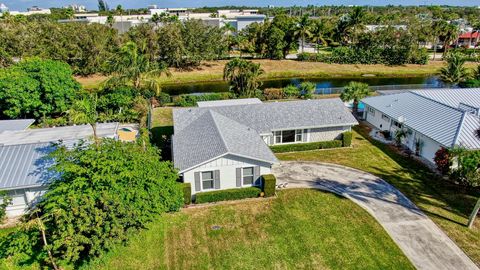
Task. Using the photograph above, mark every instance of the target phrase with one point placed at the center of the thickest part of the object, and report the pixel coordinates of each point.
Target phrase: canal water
(324, 85)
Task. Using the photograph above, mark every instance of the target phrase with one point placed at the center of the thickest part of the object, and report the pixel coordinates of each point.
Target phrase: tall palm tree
(355, 91)
(303, 29)
(131, 67)
(449, 34)
(455, 71)
(242, 76)
(318, 33)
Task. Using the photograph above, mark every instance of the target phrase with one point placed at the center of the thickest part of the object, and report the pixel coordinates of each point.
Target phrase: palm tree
(242, 76)
(449, 34)
(318, 34)
(131, 67)
(455, 71)
(355, 91)
(303, 29)
(84, 111)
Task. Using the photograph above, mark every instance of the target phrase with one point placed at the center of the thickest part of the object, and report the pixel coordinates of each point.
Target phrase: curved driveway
(426, 245)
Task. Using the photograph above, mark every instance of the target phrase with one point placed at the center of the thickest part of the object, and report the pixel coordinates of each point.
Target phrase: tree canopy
(99, 196)
(36, 88)
(242, 76)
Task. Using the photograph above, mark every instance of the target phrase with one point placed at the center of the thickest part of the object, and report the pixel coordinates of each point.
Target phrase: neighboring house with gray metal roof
(229, 102)
(221, 147)
(433, 118)
(24, 164)
(12, 125)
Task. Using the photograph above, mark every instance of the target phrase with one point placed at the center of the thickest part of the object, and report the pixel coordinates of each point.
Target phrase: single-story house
(433, 118)
(226, 144)
(469, 39)
(24, 167)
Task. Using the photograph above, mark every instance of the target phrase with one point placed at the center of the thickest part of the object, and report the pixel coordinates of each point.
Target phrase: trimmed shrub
(164, 98)
(273, 93)
(347, 138)
(187, 193)
(269, 183)
(443, 160)
(227, 195)
(306, 146)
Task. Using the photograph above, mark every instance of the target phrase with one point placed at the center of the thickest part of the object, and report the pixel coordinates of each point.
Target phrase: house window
(289, 136)
(371, 111)
(207, 180)
(247, 175)
(385, 117)
(397, 124)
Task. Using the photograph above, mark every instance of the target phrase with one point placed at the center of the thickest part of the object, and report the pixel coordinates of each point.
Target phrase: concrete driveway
(425, 244)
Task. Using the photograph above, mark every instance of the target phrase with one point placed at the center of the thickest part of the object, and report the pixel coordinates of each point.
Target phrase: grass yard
(301, 229)
(213, 71)
(446, 204)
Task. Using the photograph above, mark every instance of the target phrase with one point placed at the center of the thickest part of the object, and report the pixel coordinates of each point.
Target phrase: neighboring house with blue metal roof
(24, 164)
(226, 144)
(433, 118)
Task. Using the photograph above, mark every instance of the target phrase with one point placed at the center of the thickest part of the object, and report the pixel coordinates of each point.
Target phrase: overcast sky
(92, 4)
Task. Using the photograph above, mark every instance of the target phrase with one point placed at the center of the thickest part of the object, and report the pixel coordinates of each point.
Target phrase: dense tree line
(89, 48)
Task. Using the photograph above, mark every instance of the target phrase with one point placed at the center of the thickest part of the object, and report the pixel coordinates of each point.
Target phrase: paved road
(425, 244)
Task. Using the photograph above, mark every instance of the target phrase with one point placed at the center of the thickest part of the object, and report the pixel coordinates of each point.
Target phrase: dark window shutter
(256, 176)
(239, 177)
(216, 179)
(304, 136)
(197, 182)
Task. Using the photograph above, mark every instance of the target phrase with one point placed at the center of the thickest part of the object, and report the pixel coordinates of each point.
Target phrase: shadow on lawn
(161, 137)
(368, 191)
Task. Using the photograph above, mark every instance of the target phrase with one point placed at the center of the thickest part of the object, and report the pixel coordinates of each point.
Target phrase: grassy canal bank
(275, 69)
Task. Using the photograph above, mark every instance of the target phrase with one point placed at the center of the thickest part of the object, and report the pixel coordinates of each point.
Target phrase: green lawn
(301, 229)
(447, 205)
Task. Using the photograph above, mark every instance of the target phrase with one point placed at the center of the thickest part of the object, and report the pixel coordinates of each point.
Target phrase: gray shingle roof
(12, 125)
(202, 134)
(213, 135)
(229, 102)
(266, 117)
(440, 122)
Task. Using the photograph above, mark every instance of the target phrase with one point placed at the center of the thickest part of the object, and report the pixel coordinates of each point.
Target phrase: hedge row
(347, 138)
(352, 55)
(228, 194)
(306, 146)
(187, 193)
(269, 182)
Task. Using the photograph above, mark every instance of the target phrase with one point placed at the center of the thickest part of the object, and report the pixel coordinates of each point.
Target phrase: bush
(269, 183)
(187, 193)
(6, 201)
(307, 89)
(347, 138)
(227, 195)
(306, 146)
(191, 100)
(164, 98)
(273, 93)
(291, 91)
(443, 160)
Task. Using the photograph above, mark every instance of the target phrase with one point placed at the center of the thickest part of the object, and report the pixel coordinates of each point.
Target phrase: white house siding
(21, 199)
(376, 119)
(428, 148)
(227, 166)
(326, 134)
